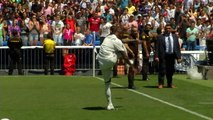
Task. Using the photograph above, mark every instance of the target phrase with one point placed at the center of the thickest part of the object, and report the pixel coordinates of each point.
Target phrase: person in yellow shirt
(49, 54)
(131, 8)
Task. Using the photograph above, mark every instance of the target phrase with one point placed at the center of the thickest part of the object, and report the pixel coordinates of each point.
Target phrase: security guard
(146, 50)
(15, 44)
(49, 54)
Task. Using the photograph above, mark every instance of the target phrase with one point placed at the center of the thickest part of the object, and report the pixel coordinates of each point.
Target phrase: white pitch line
(165, 102)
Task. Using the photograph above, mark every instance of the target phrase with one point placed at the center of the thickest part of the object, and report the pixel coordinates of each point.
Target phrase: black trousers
(49, 60)
(145, 67)
(166, 67)
(15, 58)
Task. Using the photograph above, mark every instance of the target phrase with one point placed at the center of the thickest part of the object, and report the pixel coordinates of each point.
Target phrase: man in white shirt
(104, 29)
(111, 49)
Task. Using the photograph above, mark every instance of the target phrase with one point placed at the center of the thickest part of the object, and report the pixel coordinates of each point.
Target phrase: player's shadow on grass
(119, 87)
(94, 108)
(137, 79)
(99, 108)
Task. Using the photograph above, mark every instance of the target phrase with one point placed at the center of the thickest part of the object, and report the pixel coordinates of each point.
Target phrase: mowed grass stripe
(206, 83)
(82, 98)
(164, 102)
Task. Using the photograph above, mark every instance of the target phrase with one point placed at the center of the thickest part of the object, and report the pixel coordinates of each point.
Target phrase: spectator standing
(78, 37)
(123, 4)
(34, 28)
(68, 35)
(125, 17)
(104, 29)
(94, 24)
(45, 28)
(192, 34)
(89, 36)
(71, 21)
(81, 21)
(57, 27)
(183, 24)
(24, 33)
(48, 9)
(131, 8)
(14, 27)
(106, 15)
(1, 31)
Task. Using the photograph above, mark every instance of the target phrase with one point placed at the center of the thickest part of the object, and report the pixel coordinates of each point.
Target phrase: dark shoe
(171, 86)
(146, 79)
(21, 73)
(131, 87)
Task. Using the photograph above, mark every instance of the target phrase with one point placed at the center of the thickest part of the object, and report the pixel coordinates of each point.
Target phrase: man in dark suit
(167, 50)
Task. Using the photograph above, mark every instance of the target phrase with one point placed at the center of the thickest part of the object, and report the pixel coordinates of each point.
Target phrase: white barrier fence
(33, 57)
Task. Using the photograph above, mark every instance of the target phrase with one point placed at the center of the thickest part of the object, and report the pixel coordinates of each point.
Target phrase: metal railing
(33, 57)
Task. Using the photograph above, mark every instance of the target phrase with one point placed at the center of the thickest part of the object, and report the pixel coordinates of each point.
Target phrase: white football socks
(108, 96)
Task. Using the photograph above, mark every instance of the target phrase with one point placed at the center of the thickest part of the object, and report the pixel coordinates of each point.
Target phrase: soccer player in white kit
(111, 49)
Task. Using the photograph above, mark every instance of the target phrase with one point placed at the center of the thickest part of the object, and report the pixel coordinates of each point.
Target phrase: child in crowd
(68, 35)
(88, 41)
(78, 37)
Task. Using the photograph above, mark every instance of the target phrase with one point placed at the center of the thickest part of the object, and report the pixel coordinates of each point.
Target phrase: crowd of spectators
(75, 22)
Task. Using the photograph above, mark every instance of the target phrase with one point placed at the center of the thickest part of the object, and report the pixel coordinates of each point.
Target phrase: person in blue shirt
(107, 15)
(123, 4)
(88, 41)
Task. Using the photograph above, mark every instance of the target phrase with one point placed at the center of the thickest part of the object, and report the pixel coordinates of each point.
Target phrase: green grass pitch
(82, 98)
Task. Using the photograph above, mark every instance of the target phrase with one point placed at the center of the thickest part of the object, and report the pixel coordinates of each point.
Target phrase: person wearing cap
(111, 49)
(15, 44)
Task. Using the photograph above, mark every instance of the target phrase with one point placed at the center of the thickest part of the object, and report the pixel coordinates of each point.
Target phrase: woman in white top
(104, 29)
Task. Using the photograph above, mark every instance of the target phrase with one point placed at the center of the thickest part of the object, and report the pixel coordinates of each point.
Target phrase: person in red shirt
(71, 21)
(94, 23)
